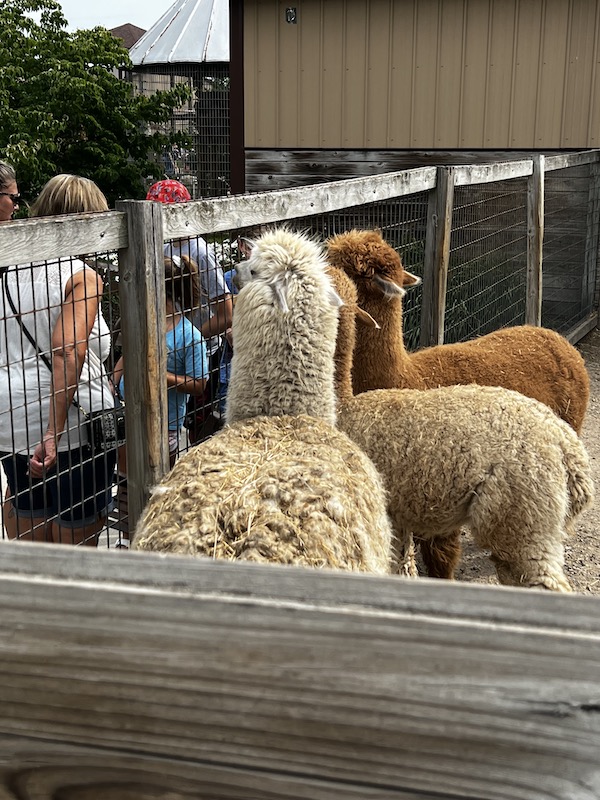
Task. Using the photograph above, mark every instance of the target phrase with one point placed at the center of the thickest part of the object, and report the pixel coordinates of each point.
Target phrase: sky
(111, 13)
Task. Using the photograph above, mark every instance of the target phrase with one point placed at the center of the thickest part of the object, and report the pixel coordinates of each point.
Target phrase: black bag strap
(43, 356)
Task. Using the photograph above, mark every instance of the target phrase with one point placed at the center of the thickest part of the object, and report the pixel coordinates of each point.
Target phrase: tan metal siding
(450, 72)
(331, 100)
(579, 76)
(401, 88)
(354, 78)
(422, 74)
(379, 72)
(552, 74)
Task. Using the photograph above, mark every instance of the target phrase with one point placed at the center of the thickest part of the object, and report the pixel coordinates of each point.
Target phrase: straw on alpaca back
(284, 331)
(285, 490)
(534, 361)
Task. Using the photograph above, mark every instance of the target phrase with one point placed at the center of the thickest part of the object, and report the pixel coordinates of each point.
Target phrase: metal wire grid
(403, 224)
(570, 235)
(203, 164)
(488, 260)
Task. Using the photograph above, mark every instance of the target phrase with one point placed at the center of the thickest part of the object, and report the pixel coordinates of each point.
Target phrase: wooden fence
(134, 676)
(137, 230)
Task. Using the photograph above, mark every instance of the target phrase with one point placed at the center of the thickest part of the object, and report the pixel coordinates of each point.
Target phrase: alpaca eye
(252, 272)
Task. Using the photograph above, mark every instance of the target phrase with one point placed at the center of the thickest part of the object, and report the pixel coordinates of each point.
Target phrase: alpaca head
(282, 260)
(371, 262)
(284, 331)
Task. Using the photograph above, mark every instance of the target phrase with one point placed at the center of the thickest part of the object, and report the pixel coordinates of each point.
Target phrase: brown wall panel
(334, 64)
(354, 77)
(500, 72)
(401, 64)
(526, 63)
(379, 72)
(474, 75)
(450, 72)
(576, 109)
(422, 74)
(552, 74)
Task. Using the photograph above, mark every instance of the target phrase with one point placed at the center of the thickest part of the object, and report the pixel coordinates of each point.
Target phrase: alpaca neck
(344, 355)
(380, 356)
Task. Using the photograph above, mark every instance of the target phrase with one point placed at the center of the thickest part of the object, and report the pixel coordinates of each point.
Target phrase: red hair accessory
(168, 191)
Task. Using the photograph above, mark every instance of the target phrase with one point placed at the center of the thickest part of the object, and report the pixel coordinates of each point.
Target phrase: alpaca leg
(522, 559)
(441, 555)
(403, 554)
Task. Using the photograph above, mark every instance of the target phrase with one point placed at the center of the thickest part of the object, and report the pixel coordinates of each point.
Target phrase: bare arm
(117, 372)
(69, 346)
(186, 383)
(222, 311)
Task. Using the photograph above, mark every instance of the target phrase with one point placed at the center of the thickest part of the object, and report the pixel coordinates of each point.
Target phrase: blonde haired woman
(53, 342)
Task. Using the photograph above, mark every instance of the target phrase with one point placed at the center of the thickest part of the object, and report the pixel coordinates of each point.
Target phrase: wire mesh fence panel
(403, 224)
(487, 270)
(202, 160)
(570, 242)
(57, 324)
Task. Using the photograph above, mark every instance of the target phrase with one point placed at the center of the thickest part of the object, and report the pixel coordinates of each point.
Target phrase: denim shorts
(77, 492)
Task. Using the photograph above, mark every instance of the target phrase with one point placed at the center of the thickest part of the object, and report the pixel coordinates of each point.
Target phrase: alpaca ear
(408, 279)
(334, 299)
(279, 290)
(365, 318)
(388, 288)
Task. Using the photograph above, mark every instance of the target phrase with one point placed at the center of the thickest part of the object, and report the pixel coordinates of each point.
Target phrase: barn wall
(422, 74)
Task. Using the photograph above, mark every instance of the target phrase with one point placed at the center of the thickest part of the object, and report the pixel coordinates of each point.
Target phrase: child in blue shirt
(187, 358)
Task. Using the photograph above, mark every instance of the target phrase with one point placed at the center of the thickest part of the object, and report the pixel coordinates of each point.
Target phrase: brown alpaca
(536, 362)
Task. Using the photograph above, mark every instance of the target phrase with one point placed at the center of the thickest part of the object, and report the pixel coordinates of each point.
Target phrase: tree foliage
(63, 108)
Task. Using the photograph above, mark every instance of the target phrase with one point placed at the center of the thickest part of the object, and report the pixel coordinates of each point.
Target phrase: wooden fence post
(437, 254)
(535, 242)
(142, 297)
(589, 290)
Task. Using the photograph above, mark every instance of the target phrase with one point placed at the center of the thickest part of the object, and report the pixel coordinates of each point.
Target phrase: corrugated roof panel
(191, 31)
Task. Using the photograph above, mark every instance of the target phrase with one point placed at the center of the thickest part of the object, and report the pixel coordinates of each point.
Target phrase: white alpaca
(279, 483)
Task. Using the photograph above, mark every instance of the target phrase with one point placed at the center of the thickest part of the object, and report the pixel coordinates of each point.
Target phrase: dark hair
(182, 282)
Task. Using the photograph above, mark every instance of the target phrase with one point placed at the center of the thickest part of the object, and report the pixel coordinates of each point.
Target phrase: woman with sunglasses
(53, 344)
(9, 192)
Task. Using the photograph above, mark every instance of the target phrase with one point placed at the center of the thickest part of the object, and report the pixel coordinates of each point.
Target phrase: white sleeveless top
(38, 291)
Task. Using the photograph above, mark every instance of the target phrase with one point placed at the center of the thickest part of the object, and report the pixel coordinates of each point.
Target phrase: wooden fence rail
(134, 676)
(137, 230)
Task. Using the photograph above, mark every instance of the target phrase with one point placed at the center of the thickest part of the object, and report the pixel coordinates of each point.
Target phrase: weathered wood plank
(571, 159)
(46, 238)
(142, 297)
(236, 677)
(226, 213)
(535, 242)
(491, 173)
(437, 253)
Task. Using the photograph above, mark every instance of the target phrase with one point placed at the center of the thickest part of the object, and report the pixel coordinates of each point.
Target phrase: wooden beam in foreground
(133, 676)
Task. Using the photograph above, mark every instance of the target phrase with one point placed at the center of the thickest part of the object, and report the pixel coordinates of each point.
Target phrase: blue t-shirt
(186, 355)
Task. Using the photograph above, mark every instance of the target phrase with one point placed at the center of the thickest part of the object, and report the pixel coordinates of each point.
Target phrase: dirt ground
(582, 557)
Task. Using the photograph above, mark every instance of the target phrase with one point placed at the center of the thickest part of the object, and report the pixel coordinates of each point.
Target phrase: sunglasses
(14, 197)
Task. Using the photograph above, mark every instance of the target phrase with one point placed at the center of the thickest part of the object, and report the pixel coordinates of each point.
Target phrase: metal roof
(191, 32)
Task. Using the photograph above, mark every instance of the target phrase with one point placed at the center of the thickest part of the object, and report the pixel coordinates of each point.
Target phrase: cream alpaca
(484, 457)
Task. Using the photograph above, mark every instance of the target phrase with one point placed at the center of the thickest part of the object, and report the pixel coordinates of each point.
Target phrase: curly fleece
(279, 483)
